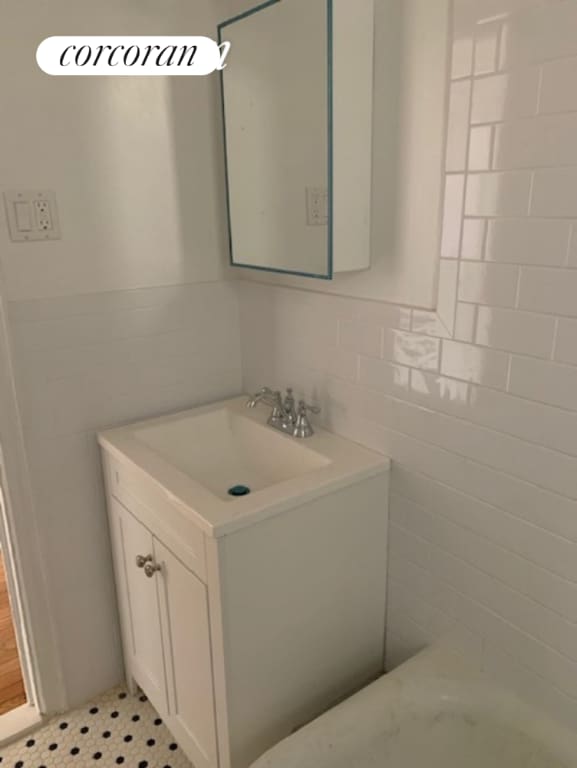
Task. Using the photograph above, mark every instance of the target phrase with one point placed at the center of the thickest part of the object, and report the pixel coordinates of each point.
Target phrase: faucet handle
(289, 407)
(303, 427)
(304, 407)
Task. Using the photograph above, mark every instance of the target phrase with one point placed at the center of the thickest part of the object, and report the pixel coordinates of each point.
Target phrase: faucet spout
(284, 416)
(278, 418)
(262, 395)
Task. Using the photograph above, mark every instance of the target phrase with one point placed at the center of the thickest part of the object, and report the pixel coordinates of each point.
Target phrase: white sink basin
(224, 448)
(195, 457)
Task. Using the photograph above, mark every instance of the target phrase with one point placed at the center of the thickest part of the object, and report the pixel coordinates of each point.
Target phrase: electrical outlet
(317, 206)
(43, 215)
(32, 215)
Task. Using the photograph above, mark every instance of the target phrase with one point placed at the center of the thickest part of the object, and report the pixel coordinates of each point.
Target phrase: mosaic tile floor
(116, 729)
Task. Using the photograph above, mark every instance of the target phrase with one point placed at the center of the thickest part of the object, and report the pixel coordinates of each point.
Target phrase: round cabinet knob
(151, 568)
(141, 560)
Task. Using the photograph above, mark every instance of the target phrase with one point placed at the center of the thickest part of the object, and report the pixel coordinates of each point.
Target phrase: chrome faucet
(273, 398)
(303, 427)
(284, 415)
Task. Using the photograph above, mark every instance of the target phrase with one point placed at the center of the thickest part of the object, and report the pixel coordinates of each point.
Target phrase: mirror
(277, 116)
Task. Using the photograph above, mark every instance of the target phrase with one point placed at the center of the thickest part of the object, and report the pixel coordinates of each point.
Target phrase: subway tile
(136, 321)
(412, 349)
(543, 141)
(540, 424)
(439, 393)
(429, 323)
(364, 338)
(558, 92)
(418, 465)
(427, 614)
(34, 310)
(528, 241)
(447, 292)
(529, 684)
(465, 322)
(554, 597)
(538, 656)
(384, 315)
(342, 363)
(413, 635)
(383, 376)
(545, 382)
(555, 193)
(556, 472)
(541, 33)
(414, 575)
(458, 125)
(494, 284)
(498, 194)
(464, 28)
(398, 648)
(566, 342)
(63, 362)
(462, 58)
(406, 545)
(497, 595)
(549, 290)
(505, 96)
(486, 48)
(514, 331)
(471, 363)
(403, 604)
(474, 234)
(544, 509)
(481, 148)
(340, 409)
(512, 532)
(452, 216)
(572, 252)
(484, 496)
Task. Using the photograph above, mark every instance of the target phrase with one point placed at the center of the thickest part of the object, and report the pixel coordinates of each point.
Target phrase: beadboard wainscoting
(475, 403)
(82, 363)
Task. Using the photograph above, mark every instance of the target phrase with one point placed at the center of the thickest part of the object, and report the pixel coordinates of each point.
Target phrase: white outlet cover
(27, 221)
(317, 206)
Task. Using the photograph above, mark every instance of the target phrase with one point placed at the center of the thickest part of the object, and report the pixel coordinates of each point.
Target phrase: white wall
(476, 403)
(127, 315)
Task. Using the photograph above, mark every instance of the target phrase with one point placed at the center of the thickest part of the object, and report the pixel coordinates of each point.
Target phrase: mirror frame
(330, 175)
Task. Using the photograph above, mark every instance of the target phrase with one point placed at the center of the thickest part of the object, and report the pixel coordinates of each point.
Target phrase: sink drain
(239, 490)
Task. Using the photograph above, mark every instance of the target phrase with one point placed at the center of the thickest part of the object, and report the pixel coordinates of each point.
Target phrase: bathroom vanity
(245, 617)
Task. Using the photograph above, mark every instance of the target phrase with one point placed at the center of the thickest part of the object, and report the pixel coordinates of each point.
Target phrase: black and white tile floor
(115, 730)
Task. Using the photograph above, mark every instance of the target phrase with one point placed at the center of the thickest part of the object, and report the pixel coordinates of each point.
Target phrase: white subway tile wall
(477, 403)
(85, 362)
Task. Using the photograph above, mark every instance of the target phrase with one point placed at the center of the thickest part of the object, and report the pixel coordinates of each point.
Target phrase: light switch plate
(32, 214)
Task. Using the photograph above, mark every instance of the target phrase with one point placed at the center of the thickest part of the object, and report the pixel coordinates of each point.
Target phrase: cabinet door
(184, 605)
(147, 658)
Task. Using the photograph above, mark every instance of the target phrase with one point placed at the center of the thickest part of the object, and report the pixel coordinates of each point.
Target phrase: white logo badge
(157, 56)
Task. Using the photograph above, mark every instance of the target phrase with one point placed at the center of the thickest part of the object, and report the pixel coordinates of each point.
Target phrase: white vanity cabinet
(243, 619)
(166, 633)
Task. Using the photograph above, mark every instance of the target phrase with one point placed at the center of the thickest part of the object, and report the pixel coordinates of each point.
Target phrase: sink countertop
(347, 464)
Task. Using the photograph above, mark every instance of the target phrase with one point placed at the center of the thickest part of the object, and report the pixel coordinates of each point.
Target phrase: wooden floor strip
(12, 693)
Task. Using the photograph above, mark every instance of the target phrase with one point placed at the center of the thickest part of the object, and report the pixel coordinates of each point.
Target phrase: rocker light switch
(32, 215)
(23, 217)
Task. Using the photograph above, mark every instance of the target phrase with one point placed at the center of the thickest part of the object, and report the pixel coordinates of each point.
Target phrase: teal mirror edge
(232, 263)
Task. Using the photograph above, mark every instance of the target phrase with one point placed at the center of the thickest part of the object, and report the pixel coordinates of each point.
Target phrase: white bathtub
(431, 712)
